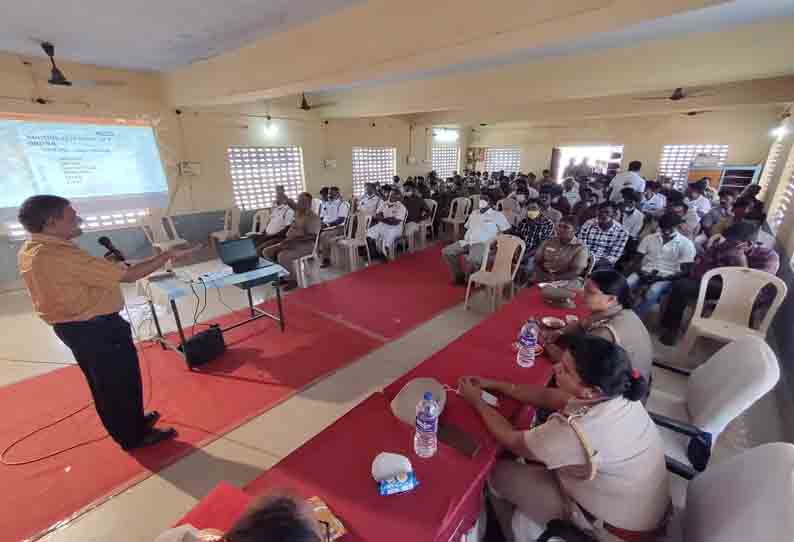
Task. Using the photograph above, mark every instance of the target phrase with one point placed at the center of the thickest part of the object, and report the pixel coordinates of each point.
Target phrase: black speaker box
(204, 346)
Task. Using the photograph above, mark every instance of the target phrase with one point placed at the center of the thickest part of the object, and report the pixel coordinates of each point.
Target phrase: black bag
(699, 451)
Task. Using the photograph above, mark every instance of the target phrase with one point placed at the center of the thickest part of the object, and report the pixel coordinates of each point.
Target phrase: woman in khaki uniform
(597, 462)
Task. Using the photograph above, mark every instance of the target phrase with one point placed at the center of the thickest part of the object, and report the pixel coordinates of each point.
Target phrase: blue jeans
(652, 295)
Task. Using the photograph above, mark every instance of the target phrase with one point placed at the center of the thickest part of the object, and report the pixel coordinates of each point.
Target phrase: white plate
(552, 322)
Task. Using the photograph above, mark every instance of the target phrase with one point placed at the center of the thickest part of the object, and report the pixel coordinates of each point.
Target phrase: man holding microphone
(80, 296)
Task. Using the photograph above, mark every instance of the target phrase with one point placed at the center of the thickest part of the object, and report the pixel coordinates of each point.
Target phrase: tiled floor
(29, 348)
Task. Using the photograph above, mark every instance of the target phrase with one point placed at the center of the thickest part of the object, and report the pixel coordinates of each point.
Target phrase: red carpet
(261, 368)
(388, 300)
(355, 313)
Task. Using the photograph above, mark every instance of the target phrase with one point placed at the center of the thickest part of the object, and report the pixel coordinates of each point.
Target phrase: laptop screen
(237, 250)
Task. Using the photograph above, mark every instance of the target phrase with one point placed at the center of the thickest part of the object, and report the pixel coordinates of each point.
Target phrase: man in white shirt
(388, 223)
(696, 199)
(690, 225)
(482, 226)
(666, 256)
(632, 218)
(570, 169)
(653, 203)
(281, 218)
(333, 217)
(571, 191)
(370, 201)
(627, 179)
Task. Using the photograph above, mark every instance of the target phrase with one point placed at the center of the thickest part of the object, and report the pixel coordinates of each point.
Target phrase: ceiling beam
(385, 39)
(746, 52)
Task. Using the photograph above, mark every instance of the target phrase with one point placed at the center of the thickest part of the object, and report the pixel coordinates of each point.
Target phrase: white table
(166, 290)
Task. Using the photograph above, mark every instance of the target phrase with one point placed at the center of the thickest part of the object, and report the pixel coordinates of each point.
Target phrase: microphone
(112, 251)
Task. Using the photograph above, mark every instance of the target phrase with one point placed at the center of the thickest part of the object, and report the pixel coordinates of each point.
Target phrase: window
(445, 160)
(505, 158)
(373, 165)
(675, 159)
(256, 171)
(91, 222)
(780, 205)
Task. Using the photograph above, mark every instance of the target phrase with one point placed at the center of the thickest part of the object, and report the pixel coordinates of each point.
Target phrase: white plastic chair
(309, 264)
(357, 238)
(714, 394)
(747, 497)
(259, 222)
(231, 226)
(458, 214)
(160, 237)
(428, 225)
(502, 272)
(731, 316)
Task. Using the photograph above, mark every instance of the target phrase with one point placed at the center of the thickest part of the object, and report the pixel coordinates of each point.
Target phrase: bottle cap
(428, 396)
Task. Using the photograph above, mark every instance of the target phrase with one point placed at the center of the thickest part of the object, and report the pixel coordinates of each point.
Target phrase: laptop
(240, 255)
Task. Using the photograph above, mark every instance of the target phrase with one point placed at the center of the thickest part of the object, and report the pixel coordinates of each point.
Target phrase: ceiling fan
(696, 113)
(39, 100)
(306, 106)
(678, 94)
(58, 79)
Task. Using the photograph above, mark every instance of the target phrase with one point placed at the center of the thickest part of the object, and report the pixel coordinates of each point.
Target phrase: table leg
(280, 310)
(250, 302)
(157, 324)
(179, 326)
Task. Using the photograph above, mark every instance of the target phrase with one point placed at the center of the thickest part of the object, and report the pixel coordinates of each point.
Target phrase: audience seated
(482, 226)
(571, 192)
(690, 225)
(559, 202)
(598, 458)
(416, 208)
(627, 179)
(665, 257)
(738, 247)
(604, 237)
(281, 218)
(586, 208)
(632, 218)
(695, 198)
(299, 239)
(719, 214)
(370, 201)
(387, 224)
(653, 203)
(333, 215)
(544, 200)
(561, 258)
(534, 229)
(607, 295)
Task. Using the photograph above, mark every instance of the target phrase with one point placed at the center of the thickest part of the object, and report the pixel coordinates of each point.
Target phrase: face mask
(628, 210)
(483, 205)
(408, 193)
(532, 215)
(521, 198)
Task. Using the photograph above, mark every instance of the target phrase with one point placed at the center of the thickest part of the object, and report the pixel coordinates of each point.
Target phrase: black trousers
(105, 352)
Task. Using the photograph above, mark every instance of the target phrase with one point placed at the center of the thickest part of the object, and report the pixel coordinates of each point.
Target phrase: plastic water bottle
(527, 341)
(425, 439)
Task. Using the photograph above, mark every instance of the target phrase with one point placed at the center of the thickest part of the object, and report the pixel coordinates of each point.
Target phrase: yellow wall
(745, 131)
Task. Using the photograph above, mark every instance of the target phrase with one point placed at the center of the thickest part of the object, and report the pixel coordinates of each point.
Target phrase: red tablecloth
(335, 465)
(219, 509)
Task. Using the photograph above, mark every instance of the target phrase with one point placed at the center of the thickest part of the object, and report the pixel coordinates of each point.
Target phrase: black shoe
(459, 280)
(151, 418)
(154, 436)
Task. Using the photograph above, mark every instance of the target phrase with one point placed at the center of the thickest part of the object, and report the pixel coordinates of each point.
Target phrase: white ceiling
(149, 34)
(714, 18)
